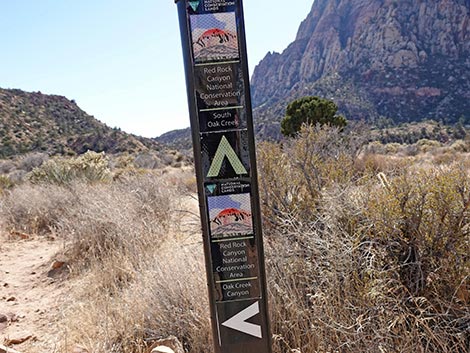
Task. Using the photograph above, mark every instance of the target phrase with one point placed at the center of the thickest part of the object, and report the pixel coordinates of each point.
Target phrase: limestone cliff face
(405, 59)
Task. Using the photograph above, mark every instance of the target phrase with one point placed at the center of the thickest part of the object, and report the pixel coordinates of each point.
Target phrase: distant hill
(177, 139)
(36, 122)
(406, 60)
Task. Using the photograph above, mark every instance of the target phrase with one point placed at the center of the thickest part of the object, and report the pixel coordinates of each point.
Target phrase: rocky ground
(31, 293)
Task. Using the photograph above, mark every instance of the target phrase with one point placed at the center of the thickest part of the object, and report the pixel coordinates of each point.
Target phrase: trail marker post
(214, 51)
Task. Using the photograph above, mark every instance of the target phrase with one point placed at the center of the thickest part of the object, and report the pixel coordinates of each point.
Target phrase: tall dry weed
(117, 217)
(293, 174)
(166, 295)
(140, 278)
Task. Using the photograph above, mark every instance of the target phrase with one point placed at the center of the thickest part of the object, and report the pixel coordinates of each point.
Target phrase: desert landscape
(361, 131)
(373, 255)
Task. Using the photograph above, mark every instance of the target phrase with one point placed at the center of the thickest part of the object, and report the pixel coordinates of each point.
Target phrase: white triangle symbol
(238, 322)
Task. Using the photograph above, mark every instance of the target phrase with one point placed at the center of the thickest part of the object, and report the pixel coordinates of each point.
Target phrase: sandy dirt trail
(31, 294)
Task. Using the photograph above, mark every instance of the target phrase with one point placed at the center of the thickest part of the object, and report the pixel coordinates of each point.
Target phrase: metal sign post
(214, 50)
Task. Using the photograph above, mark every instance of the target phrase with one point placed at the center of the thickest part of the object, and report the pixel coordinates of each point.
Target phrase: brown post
(214, 51)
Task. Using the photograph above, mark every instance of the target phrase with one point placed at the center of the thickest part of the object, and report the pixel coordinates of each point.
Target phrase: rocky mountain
(403, 59)
(36, 122)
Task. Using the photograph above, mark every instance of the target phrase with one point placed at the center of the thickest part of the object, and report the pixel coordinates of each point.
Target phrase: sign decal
(238, 322)
(211, 188)
(230, 215)
(225, 150)
(214, 50)
(214, 37)
(194, 4)
(225, 155)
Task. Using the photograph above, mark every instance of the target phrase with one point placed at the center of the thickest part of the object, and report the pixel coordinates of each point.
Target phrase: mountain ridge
(37, 122)
(407, 60)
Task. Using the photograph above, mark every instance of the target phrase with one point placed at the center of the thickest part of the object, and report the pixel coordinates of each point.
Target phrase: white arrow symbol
(238, 322)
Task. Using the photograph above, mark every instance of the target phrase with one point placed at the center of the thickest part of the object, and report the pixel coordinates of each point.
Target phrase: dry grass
(125, 302)
(34, 209)
(142, 279)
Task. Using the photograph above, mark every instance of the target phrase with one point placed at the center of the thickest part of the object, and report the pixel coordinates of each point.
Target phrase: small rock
(4, 349)
(162, 349)
(57, 264)
(58, 268)
(11, 299)
(80, 349)
(19, 340)
(5, 285)
(167, 345)
(10, 317)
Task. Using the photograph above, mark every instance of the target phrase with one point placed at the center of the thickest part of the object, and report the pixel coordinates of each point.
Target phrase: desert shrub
(5, 183)
(375, 264)
(140, 280)
(393, 148)
(6, 166)
(164, 294)
(34, 209)
(410, 150)
(370, 164)
(17, 176)
(294, 174)
(32, 160)
(375, 147)
(121, 161)
(425, 145)
(147, 161)
(333, 291)
(421, 219)
(90, 167)
(460, 146)
(113, 217)
(444, 156)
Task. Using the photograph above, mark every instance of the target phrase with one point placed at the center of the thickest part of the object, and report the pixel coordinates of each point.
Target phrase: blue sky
(121, 60)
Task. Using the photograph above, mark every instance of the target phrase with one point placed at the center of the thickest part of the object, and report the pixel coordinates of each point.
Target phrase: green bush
(310, 111)
(89, 167)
